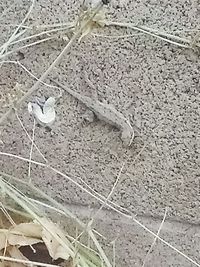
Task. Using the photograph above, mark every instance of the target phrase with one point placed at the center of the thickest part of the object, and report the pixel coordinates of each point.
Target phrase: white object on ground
(92, 3)
(44, 112)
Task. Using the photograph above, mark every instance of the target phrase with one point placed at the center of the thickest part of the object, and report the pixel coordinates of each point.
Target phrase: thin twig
(114, 251)
(22, 214)
(30, 73)
(162, 36)
(29, 137)
(39, 34)
(168, 35)
(111, 192)
(15, 25)
(31, 152)
(123, 36)
(154, 241)
(43, 26)
(28, 263)
(10, 219)
(25, 46)
(90, 222)
(16, 37)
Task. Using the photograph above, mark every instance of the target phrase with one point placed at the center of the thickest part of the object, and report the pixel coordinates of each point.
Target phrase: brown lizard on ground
(106, 113)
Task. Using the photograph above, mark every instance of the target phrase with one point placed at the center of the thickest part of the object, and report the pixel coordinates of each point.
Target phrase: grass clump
(37, 227)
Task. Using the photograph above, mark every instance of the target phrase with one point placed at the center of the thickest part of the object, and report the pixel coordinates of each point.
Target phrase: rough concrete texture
(155, 84)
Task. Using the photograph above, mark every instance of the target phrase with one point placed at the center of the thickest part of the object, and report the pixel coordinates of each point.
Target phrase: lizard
(104, 112)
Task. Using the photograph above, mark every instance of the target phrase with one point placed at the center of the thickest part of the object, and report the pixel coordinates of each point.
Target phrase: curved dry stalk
(27, 262)
(16, 36)
(90, 222)
(30, 73)
(154, 241)
(29, 137)
(111, 191)
(176, 40)
(42, 33)
(43, 26)
(36, 42)
(7, 215)
(31, 150)
(168, 35)
(123, 36)
(28, 45)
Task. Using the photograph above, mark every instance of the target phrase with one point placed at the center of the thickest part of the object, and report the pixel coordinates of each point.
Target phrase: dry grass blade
(29, 137)
(176, 40)
(25, 46)
(26, 262)
(154, 241)
(31, 151)
(43, 33)
(13, 36)
(111, 192)
(30, 73)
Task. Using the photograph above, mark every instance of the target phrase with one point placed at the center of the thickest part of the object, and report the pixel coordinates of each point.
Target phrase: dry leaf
(31, 229)
(62, 254)
(22, 234)
(55, 249)
(26, 234)
(16, 254)
(2, 241)
(22, 240)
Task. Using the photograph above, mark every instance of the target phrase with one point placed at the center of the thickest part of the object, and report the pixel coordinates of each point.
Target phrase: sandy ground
(155, 84)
